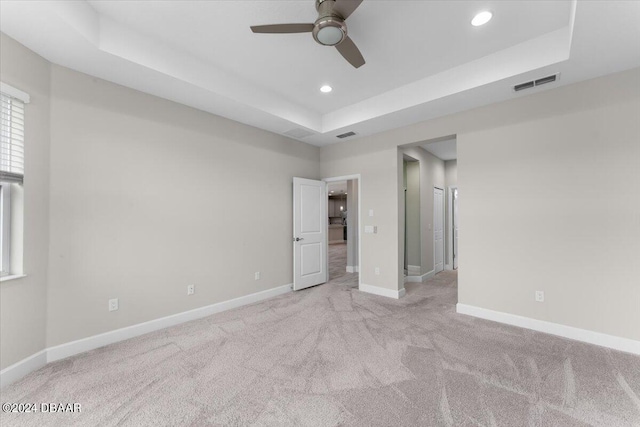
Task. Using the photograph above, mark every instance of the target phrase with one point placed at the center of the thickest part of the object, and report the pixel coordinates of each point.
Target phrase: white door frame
(450, 229)
(347, 178)
(434, 232)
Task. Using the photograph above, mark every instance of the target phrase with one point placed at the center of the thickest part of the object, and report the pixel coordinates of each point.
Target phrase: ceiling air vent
(533, 83)
(547, 79)
(345, 135)
(523, 86)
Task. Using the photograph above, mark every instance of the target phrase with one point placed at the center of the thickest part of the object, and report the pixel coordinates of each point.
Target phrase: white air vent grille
(523, 86)
(533, 83)
(548, 79)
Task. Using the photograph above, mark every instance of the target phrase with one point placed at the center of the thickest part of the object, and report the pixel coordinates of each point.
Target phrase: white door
(309, 233)
(455, 228)
(438, 229)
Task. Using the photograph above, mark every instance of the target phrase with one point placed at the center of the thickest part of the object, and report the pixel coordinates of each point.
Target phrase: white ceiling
(338, 188)
(444, 150)
(424, 59)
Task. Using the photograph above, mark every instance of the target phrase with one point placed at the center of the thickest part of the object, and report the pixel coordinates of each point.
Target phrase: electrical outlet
(191, 289)
(540, 296)
(377, 271)
(256, 276)
(113, 304)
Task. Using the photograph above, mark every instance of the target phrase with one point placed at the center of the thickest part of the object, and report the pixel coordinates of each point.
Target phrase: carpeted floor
(333, 355)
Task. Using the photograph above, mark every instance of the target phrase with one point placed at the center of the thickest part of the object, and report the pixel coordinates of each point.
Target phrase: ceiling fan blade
(282, 28)
(351, 53)
(346, 7)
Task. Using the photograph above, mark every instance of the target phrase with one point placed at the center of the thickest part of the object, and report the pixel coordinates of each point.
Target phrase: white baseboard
(51, 354)
(384, 292)
(420, 278)
(79, 346)
(413, 270)
(352, 269)
(584, 335)
(13, 373)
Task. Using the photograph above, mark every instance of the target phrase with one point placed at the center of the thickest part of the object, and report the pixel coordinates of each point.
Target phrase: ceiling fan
(330, 29)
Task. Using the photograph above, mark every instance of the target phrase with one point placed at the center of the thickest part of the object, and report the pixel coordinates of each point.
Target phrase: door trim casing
(450, 229)
(443, 231)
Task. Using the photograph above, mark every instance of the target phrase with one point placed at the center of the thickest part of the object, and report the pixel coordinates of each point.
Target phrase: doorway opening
(429, 172)
(412, 220)
(343, 236)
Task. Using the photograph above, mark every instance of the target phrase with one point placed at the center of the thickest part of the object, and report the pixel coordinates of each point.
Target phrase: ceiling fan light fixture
(330, 32)
(481, 18)
(330, 29)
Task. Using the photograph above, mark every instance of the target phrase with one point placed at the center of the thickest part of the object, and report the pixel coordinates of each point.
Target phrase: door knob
(297, 239)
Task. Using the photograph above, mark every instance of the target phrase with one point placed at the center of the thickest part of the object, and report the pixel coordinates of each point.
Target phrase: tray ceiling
(424, 59)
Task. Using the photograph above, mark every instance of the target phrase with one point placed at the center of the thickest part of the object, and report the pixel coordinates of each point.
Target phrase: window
(12, 103)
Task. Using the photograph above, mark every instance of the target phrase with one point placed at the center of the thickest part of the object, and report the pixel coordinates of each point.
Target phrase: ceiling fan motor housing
(330, 28)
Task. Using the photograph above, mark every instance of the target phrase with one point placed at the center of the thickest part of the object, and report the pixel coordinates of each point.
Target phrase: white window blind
(11, 139)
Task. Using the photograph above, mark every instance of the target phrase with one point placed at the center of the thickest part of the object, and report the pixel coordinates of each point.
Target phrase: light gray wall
(23, 301)
(601, 113)
(148, 196)
(451, 173)
(553, 204)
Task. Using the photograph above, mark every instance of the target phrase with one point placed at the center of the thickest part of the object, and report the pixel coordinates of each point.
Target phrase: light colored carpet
(333, 355)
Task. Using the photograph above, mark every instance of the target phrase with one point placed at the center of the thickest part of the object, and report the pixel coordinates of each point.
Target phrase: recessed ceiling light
(481, 18)
(326, 89)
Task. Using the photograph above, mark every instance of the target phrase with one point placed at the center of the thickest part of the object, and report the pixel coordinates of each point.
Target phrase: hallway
(338, 261)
